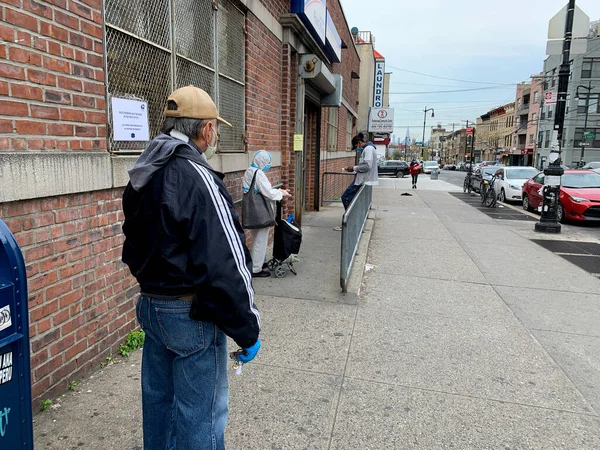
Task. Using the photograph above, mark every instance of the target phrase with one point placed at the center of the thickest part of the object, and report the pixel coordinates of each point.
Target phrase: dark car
(397, 168)
(449, 167)
(483, 173)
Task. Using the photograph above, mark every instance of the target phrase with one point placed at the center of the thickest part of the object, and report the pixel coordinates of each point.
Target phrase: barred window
(332, 129)
(149, 54)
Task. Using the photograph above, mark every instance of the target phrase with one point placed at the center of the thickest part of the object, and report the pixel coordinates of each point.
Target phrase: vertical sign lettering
(379, 76)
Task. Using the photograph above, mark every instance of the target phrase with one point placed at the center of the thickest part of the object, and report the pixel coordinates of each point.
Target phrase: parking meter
(16, 429)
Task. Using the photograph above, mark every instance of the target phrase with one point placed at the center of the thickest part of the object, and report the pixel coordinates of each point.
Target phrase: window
(549, 112)
(349, 124)
(594, 104)
(149, 55)
(595, 143)
(539, 179)
(546, 77)
(590, 68)
(536, 96)
(553, 77)
(532, 139)
(540, 139)
(518, 122)
(547, 142)
(332, 129)
(533, 117)
(519, 103)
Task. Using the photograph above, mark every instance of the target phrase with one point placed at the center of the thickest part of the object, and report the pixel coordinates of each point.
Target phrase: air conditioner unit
(329, 85)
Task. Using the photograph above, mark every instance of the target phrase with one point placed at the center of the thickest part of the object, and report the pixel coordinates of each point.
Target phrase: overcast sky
(484, 41)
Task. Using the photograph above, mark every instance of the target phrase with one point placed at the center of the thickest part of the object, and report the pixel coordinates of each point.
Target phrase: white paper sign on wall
(130, 120)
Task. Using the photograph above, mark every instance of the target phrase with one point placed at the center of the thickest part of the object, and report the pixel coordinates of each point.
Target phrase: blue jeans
(349, 194)
(184, 378)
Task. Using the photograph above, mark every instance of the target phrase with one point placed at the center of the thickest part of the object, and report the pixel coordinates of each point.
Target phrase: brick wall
(51, 76)
(80, 293)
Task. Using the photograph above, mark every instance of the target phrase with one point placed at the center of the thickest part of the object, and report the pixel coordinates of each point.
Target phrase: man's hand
(249, 353)
(349, 169)
(284, 193)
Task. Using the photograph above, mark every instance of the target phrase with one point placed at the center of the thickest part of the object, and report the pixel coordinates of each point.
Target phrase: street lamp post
(442, 140)
(589, 88)
(425, 111)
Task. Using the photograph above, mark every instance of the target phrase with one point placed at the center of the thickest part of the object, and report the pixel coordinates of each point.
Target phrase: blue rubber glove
(249, 353)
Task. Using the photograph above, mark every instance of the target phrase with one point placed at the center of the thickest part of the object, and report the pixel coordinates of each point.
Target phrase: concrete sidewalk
(466, 335)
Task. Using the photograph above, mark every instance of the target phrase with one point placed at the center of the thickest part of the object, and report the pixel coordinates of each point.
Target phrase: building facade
(494, 137)
(577, 146)
(63, 168)
(528, 102)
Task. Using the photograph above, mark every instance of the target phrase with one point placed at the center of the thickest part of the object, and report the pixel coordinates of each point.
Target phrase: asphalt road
(591, 230)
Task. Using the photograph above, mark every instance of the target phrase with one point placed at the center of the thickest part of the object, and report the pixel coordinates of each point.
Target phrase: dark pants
(415, 177)
(349, 194)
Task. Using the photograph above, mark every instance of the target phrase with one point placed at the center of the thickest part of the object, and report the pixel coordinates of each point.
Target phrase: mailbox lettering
(3, 421)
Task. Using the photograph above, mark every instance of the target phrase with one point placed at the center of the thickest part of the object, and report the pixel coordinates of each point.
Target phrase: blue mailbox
(16, 428)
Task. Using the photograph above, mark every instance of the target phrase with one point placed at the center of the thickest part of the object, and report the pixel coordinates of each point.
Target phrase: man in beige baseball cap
(186, 248)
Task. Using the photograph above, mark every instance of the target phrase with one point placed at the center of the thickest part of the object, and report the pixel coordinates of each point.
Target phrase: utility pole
(425, 111)
(548, 222)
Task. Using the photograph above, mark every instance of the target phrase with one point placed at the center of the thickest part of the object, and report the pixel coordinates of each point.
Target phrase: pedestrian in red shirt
(415, 170)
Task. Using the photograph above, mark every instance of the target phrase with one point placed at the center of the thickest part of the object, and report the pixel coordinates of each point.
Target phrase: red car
(579, 195)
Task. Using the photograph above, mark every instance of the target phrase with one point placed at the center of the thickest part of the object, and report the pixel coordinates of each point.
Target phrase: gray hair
(190, 127)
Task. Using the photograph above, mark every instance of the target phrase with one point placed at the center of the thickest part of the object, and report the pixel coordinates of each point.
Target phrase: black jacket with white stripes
(183, 236)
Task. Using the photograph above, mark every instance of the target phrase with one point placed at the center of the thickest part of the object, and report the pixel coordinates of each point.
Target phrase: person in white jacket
(260, 237)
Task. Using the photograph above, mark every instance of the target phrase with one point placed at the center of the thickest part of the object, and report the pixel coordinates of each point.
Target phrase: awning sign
(381, 120)
(130, 120)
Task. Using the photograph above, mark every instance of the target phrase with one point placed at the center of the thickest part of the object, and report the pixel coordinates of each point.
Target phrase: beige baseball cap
(193, 103)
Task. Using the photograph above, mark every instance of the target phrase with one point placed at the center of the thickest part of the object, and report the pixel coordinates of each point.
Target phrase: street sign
(550, 98)
(589, 135)
(584, 144)
(469, 131)
(418, 143)
(556, 32)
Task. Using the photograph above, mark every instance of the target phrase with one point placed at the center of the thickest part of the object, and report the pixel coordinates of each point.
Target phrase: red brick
(60, 129)
(68, 52)
(7, 33)
(9, 108)
(72, 84)
(40, 77)
(21, 208)
(43, 325)
(39, 252)
(93, 88)
(98, 47)
(21, 20)
(95, 60)
(100, 75)
(37, 8)
(22, 55)
(66, 19)
(72, 115)
(95, 117)
(62, 145)
(30, 127)
(72, 324)
(39, 220)
(94, 144)
(3, 88)
(6, 126)
(18, 144)
(15, 225)
(91, 29)
(79, 40)
(95, 4)
(54, 48)
(40, 43)
(60, 3)
(53, 263)
(25, 239)
(82, 71)
(54, 31)
(70, 298)
(80, 56)
(57, 65)
(58, 97)
(63, 343)
(44, 112)
(58, 290)
(80, 10)
(28, 92)
(43, 311)
(10, 71)
(84, 101)
(35, 144)
(48, 367)
(76, 349)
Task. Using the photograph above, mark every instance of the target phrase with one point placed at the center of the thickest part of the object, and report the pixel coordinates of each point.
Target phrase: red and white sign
(469, 131)
(550, 98)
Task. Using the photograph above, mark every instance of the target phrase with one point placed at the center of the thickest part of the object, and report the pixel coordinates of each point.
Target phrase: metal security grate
(579, 248)
(190, 73)
(194, 30)
(588, 263)
(148, 56)
(498, 213)
(232, 47)
(147, 19)
(231, 102)
(137, 70)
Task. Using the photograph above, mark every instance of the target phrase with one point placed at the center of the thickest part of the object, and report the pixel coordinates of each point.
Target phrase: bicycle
(488, 193)
(467, 186)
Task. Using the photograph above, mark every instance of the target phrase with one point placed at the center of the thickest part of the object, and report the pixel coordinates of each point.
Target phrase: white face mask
(211, 149)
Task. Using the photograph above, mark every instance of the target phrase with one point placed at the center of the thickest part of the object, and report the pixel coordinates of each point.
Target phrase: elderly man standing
(185, 246)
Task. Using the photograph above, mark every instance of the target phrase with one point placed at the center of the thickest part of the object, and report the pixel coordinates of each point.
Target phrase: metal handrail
(323, 185)
(353, 224)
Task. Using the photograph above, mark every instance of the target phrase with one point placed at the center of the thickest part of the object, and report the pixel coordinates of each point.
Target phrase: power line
(451, 91)
(450, 79)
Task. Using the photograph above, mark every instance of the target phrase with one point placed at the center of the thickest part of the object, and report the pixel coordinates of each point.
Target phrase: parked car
(510, 180)
(579, 197)
(397, 168)
(449, 167)
(428, 166)
(482, 173)
(595, 166)
(489, 163)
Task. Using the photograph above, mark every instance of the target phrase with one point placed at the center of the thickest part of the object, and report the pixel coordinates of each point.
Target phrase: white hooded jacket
(262, 159)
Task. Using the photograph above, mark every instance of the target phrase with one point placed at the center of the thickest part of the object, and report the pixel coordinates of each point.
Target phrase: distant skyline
(490, 48)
